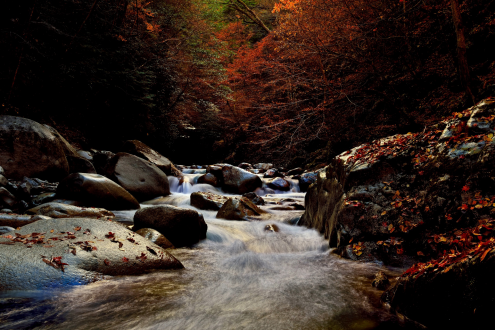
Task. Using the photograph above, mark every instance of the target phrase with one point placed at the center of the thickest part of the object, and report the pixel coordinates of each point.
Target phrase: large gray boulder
(59, 210)
(141, 178)
(239, 181)
(141, 150)
(96, 190)
(182, 227)
(30, 149)
(53, 253)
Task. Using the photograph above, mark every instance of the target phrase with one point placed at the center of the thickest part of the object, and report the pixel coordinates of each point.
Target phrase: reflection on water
(240, 277)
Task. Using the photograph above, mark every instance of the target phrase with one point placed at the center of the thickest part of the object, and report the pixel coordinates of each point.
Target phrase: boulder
(279, 184)
(245, 166)
(6, 198)
(78, 164)
(239, 181)
(448, 295)
(16, 220)
(271, 173)
(5, 229)
(59, 210)
(30, 149)
(3, 181)
(43, 198)
(100, 161)
(85, 154)
(69, 150)
(182, 227)
(155, 237)
(380, 281)
(96, 190)
(51, 253)
(239, 209)
(295, 171)
(306, 180)
(263, 166)
(141, 178)
(207, 201)
(208, 178)
(253, 197)
(141, 150)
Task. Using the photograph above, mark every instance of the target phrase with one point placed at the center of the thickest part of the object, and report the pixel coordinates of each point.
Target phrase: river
(240, 277)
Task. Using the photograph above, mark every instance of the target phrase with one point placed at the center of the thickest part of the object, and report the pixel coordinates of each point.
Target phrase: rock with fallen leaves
(425, 201)
(53, 253)
(59, 210)
(96, 190)
(182, 227)
(455, 292)
(397, 193)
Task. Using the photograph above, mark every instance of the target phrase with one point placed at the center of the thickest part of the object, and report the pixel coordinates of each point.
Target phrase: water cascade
(245, 275)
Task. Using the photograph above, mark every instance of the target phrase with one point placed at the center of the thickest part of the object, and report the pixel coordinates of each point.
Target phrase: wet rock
(207, 201)
(255, 171)
(297, 206)
(43, 198)
(295, 171)
(458, 296)
(155, 237)
(2, 171)
(253, 197)
(67, 202)
(141, 178)
(16, 220)
(97, 249)
(96, 190)
(59, 210)
(3, 181)
(29, 149)
(263, 166)
(307, 179)
(141, 150)
(69, 150)
(5, 229)
(279, 184)
(100, 161)
(85, 154)
(78, 164)
(239, 181)
(5, 211)
(245, 166)
(272, 228)
(380, 281)
(271, 173)
(208, 178)
(182, 227)
(238, 209)
(7, 198)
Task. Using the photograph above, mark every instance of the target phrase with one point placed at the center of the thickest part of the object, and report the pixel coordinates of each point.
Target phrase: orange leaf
(484, 254)
(420, 253)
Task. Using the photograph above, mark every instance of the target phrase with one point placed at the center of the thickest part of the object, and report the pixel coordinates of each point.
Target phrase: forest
(291, 82)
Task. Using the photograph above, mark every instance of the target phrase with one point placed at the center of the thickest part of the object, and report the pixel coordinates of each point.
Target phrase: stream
(240, 277)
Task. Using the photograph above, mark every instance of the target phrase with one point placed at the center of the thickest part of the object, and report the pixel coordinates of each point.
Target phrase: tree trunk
(461, 49)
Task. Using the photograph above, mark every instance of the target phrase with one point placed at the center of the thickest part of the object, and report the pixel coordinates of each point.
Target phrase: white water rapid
(240, 277)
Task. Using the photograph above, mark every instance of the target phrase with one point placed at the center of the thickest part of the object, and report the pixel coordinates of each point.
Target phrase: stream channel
(240, 277)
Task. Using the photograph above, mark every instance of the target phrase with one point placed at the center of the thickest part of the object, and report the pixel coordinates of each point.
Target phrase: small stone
(380, 281)
(272, 228)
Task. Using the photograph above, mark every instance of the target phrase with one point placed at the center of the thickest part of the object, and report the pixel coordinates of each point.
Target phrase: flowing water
(240, 277)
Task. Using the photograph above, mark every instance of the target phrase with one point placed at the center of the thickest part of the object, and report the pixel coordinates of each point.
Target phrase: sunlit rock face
(57, 253)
